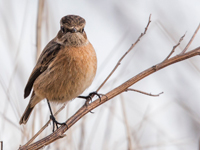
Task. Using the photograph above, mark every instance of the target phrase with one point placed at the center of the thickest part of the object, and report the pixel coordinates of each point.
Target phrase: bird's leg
(55, 122)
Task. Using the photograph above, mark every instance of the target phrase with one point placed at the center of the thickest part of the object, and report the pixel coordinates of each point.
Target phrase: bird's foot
(56, 123)
(90, 96)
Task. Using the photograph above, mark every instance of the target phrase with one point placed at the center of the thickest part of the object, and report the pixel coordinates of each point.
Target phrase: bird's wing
(47, 56)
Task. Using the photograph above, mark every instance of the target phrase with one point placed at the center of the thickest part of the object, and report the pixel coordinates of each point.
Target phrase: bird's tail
(26, 114)
(33, 101)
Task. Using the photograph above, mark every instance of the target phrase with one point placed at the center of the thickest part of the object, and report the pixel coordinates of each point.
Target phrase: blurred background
(131, 120)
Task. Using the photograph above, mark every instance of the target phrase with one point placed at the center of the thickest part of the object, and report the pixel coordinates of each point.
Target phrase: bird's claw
(55, 122)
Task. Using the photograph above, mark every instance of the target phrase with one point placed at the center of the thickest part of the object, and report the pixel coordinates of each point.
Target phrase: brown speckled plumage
(65, 68)
(72, 20)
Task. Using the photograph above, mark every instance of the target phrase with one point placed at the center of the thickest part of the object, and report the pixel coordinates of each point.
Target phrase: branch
(132, 46)
(118, 90)
(149, 94)
(185, 49)
(175, 47)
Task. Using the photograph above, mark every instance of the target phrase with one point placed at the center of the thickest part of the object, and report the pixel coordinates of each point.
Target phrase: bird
(65, 68)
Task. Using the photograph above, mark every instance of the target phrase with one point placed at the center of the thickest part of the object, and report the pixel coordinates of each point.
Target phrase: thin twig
(189, 43)
(175, 47)
(132, 46)
(149, 94)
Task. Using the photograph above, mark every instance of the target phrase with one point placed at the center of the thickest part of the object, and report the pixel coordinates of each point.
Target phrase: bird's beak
(74, 30)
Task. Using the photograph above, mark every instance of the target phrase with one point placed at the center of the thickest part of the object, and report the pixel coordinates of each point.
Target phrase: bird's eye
(68, 30)
(62, 29)
(81, 30)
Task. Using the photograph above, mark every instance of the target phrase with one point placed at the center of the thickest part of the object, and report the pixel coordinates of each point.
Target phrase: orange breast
(71, 72)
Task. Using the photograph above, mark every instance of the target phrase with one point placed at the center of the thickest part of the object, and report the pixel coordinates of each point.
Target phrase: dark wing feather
(46, 57)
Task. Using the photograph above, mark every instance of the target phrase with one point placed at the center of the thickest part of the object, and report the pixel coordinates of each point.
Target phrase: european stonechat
(65, 68)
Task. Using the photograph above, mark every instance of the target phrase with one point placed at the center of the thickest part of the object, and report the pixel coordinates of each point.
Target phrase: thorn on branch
(149, 94)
